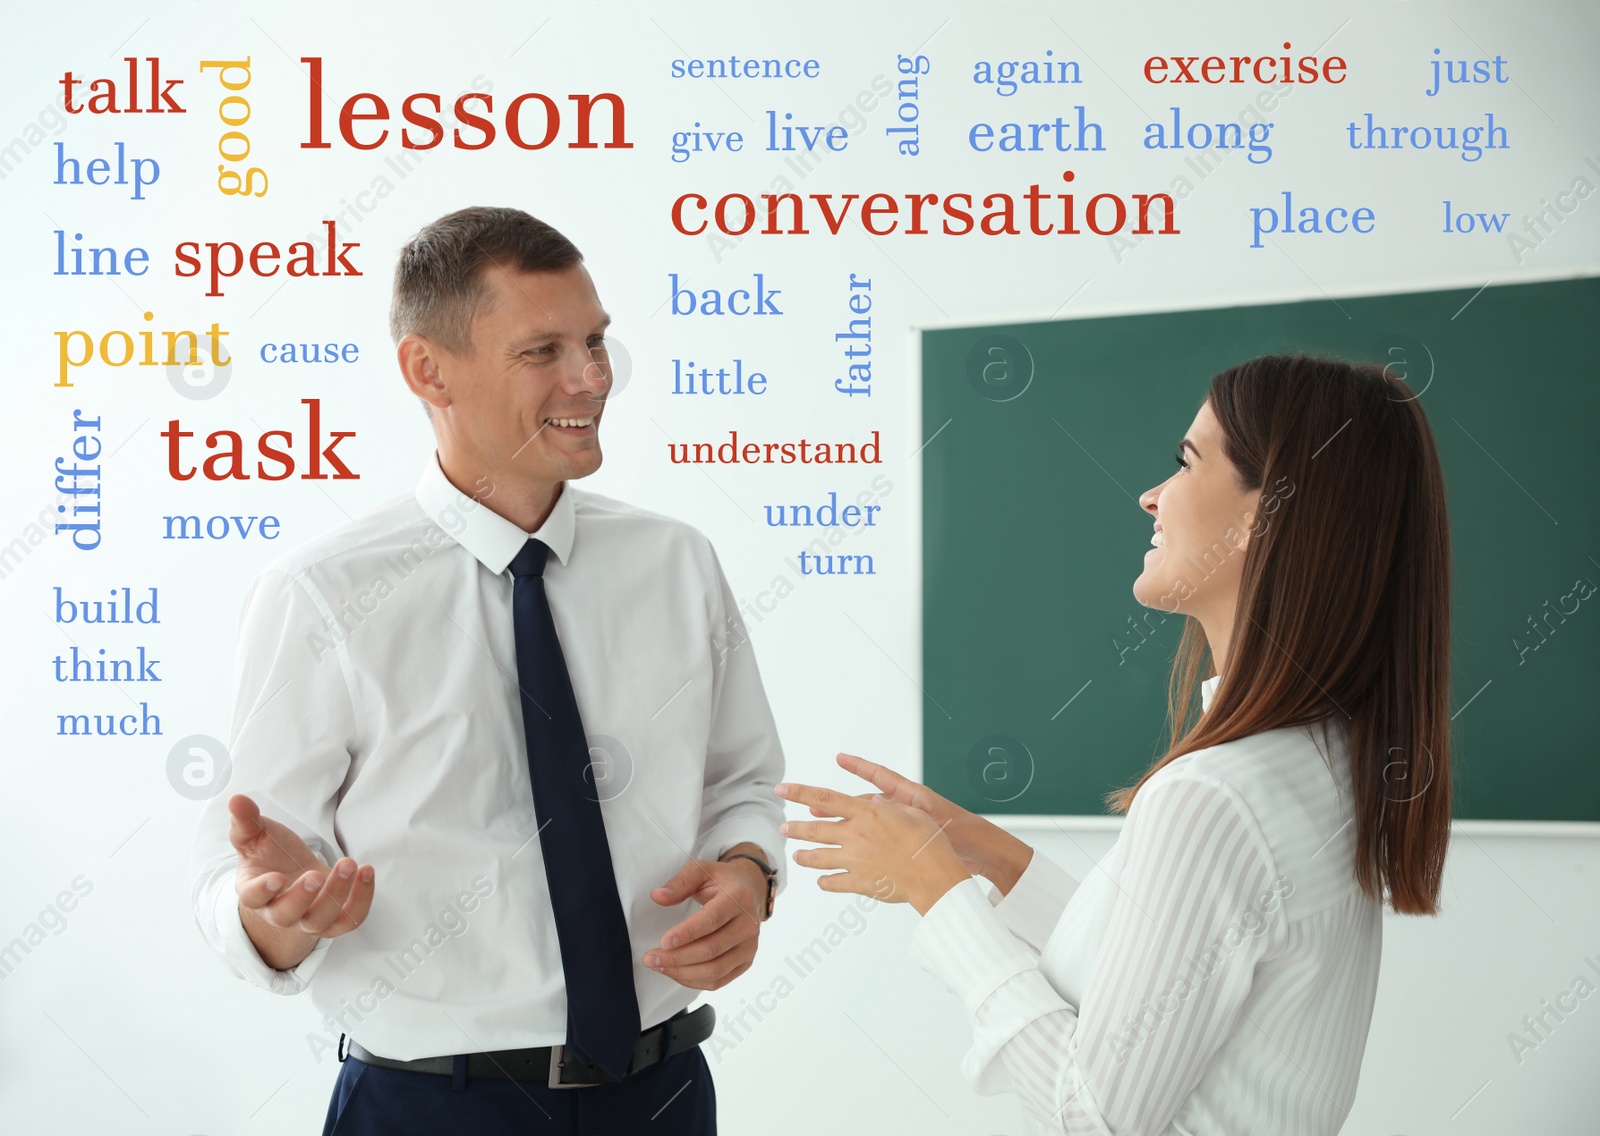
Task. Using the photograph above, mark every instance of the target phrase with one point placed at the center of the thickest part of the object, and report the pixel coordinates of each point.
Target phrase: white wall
(122, 1022)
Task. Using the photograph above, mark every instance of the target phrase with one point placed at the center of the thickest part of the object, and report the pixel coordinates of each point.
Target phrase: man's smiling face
(525, 400)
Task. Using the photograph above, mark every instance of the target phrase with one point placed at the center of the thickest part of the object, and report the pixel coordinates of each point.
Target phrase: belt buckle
(557, 1061)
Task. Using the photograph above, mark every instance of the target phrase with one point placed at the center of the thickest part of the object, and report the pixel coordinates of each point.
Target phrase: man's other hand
(288, 898)
(717, 943)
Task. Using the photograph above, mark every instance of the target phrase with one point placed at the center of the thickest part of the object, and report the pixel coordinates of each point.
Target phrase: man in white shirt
(491, 739)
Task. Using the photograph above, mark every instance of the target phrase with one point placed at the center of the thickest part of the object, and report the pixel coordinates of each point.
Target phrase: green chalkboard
(1032, 535)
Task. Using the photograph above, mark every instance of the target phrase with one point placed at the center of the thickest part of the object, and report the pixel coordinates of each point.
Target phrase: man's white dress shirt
(1213, 976)
(376, 714)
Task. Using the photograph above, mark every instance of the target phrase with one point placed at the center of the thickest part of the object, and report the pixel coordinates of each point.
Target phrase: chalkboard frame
(1044, 680)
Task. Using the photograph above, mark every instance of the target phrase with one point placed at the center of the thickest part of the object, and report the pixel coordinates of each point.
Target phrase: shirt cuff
(760, 831)
(240, 955)
(962, 942)
(1032, 908)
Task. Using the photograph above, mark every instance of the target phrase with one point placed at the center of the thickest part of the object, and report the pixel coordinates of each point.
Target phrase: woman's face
(1202, 526)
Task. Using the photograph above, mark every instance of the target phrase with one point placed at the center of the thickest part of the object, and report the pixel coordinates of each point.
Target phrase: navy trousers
(674, 1097)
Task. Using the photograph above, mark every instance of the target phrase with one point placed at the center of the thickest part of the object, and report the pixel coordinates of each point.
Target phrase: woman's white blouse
(1212, 976)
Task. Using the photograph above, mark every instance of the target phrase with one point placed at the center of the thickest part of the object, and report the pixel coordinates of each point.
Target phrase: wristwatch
(772, 877)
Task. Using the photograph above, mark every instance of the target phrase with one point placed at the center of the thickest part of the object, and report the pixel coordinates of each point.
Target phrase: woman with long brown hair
(1216, 973)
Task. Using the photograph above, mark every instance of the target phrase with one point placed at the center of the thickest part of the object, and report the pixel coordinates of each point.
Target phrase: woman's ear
(1251, 516)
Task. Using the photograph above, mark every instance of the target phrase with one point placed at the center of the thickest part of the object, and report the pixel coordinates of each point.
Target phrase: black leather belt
(552, 1065)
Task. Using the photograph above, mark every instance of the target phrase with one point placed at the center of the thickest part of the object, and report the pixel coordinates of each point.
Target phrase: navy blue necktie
(596, 953)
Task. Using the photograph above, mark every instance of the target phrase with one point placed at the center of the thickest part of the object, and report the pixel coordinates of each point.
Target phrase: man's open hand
(288, 898)
(716, 944)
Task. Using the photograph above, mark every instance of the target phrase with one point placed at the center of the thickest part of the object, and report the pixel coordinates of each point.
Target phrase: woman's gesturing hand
(885, 849)
(985, 848)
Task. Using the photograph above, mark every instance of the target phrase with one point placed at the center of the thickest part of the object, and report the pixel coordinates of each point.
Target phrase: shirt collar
(1207, 689)
(476, 527)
